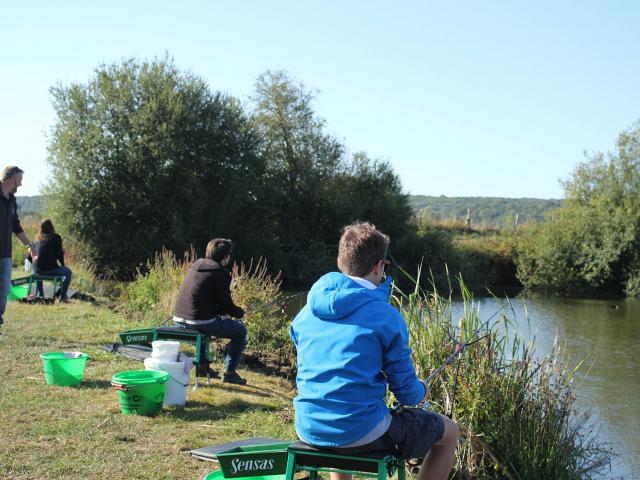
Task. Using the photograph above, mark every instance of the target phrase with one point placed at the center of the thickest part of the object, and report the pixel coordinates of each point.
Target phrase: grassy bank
(51, 432)
(516, 412)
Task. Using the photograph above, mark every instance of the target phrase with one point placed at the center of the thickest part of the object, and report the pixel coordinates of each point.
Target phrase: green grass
(516, 412)
(51, 432)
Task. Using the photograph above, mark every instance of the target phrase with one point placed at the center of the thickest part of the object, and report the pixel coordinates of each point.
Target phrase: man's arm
(223, 292)
(398, 367)
(25, 241)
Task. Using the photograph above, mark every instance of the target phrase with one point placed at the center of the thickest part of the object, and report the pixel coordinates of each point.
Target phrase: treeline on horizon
(145, 157)
(491, 211)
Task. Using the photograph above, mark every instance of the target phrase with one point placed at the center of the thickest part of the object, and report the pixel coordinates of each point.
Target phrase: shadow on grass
(267, 392)
(96, 384)
(250, 389)
(199, 411)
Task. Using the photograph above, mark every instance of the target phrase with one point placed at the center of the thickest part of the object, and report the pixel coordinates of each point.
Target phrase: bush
(267, 325)
(120, 144)
(150, 298)
(516, 413)
(84, 279)
(587, 245)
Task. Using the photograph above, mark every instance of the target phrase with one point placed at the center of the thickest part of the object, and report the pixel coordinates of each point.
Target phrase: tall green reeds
(266, 322)
(516, 412)
(150, 298)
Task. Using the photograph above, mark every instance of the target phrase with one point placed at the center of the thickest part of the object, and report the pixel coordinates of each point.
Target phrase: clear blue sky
(467, 98)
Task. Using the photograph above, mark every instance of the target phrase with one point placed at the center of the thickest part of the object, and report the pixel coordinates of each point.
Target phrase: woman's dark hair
(218, 249)
(46, 229)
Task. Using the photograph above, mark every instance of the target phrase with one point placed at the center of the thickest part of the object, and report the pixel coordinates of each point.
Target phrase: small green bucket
(218, 475)
(17, 292)
(63, 368)
(140, 391)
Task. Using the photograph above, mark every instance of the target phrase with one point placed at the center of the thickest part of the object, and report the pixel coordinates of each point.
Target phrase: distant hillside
(29, 205)
(484, 210)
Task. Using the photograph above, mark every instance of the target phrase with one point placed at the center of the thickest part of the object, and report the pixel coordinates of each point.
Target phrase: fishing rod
(280, 302)
(460, 347)
(457, 354)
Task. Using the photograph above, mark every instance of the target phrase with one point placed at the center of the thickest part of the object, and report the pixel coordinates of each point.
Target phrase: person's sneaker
(233, 377)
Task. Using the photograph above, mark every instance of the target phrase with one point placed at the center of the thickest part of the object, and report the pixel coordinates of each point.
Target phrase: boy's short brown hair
(361, 247)
(218, 249)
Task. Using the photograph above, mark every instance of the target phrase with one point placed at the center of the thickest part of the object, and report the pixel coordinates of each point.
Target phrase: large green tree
(592, 242)
(302, 159)
(314, 187)
(143, 157)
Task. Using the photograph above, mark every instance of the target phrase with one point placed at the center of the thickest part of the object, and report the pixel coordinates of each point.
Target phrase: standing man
(351, 345)
(10, 180)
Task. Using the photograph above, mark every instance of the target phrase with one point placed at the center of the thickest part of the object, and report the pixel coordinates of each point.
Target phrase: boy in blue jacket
(351, 344)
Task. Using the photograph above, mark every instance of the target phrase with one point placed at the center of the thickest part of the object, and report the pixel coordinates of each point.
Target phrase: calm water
(607, 334)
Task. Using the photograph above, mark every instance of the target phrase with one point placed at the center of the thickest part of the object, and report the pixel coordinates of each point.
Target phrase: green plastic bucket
(140, 391)
(218, 475)
(63, 368)
(16, 292)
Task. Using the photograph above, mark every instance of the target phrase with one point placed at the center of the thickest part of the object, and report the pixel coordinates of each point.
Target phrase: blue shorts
(411, 434)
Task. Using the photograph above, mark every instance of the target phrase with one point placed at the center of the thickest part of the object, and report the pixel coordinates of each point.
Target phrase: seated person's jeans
(57, 272)
(224, 327)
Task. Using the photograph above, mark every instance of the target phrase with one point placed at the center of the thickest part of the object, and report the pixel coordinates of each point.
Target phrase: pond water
(603, 333)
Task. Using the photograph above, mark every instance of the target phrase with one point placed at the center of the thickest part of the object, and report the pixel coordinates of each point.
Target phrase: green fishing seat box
(254, 460)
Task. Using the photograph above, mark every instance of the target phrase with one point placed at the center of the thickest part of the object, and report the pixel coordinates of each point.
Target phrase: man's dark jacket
(9, 223)
(206, 293)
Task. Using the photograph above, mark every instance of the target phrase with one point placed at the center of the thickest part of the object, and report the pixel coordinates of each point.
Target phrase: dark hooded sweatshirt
(206, 293)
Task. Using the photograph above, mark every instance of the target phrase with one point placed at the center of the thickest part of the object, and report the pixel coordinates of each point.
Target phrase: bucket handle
(179, 383)
(117, 386)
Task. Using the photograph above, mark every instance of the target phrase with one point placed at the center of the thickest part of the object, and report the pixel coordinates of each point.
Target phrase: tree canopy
(146, 157)
(592, 242)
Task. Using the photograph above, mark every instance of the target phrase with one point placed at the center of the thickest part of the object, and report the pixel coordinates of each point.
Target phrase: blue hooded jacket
(350, 343)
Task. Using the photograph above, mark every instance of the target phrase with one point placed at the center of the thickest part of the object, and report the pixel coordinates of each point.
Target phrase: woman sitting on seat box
(50, 257)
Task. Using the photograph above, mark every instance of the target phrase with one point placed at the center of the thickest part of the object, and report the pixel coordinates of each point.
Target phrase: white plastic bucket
(178, 383)
(165, 350)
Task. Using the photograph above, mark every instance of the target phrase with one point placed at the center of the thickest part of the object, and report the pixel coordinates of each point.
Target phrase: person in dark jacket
(49, 258)
(10, 180)
(204, 303)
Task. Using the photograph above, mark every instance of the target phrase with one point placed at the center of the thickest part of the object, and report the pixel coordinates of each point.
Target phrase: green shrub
(267, 325)
(151, 296)
(632, 287)
(84, 279)
(516, 413)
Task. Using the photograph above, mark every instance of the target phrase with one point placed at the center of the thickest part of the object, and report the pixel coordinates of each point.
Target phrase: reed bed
(516, 412)
(149, 301)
